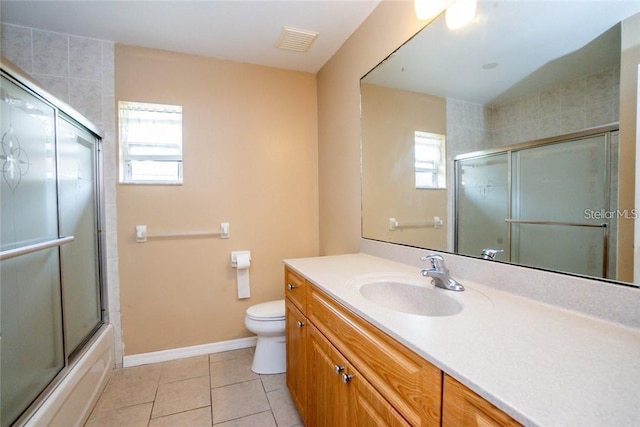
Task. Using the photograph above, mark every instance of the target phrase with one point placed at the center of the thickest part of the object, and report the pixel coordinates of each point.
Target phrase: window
(430, 160)
(150, 143)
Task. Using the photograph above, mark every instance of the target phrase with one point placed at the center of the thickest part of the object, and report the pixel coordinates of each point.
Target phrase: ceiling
(236, 30)
(530, 44)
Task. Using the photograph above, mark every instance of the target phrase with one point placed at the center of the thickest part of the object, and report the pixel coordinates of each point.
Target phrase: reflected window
(150, 143)
(430, 164)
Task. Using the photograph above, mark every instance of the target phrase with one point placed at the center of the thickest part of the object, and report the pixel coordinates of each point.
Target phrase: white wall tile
(17, 46)
(573, 120)
(86, 97)
(85, 58)
(108, 54)
(57, 86)
(50, 53)
(601, 113)
(573, 94)
(550, 101)
(108, 82)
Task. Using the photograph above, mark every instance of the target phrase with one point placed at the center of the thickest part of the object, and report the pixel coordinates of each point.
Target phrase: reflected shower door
(482, 204)
(78, 218)
(30, 316)
(561, 183)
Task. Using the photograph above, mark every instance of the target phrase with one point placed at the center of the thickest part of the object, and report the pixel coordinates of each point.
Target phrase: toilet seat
(267, 311)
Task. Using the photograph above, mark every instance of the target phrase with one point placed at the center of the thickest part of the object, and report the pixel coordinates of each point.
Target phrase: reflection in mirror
(535, 102)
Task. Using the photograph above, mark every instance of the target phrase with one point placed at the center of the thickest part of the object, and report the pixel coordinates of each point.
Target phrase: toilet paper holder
(234, 259)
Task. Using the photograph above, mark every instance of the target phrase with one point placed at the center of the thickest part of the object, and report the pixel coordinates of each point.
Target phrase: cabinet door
(368, 407)
(296, 356)
(340, 396)
(462, 406)
(328, 398)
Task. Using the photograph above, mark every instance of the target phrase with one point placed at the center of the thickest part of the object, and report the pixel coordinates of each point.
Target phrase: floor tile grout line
(155, 395)
(180, 412)
(245, 416)
(210, 397)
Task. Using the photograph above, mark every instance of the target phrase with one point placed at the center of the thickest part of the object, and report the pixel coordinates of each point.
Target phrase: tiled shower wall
(79, 71)
(589, 101)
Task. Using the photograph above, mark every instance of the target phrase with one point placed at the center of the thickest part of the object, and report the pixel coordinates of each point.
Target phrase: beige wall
(388, 26)
(390, 118)
(250, 159)
(629, 134)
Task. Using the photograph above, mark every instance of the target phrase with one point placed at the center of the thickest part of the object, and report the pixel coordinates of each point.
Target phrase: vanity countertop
(540, 364)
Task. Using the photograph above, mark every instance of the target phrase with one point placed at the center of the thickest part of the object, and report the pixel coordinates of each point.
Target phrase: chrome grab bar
(568, 224)
(12, 253)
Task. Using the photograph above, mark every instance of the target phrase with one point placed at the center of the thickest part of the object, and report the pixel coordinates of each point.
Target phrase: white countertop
(540, 364)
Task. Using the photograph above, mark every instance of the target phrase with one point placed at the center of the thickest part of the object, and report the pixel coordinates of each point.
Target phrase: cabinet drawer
(295, 288)
(464, 407)
(411, 384)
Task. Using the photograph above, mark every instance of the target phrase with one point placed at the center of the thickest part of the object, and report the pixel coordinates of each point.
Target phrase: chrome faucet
(490, 254)
(439, 273)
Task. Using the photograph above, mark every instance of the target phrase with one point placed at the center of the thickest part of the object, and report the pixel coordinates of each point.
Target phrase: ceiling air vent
(296, 40)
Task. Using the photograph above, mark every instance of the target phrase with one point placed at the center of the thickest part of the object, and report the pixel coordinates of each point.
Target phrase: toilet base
(270, 356)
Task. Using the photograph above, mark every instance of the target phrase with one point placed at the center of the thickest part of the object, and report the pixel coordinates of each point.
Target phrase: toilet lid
(267, 310)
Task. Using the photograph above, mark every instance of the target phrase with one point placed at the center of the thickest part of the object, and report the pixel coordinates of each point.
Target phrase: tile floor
(217, 389)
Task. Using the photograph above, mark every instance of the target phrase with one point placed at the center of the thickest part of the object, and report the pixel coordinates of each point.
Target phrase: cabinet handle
(346, 378)
(337, 369)
(291, 287)
(300, 323)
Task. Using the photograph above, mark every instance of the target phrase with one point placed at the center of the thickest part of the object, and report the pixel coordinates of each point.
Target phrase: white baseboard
(180, 353)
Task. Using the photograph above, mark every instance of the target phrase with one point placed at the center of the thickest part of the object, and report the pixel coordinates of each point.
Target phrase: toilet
(266, 320)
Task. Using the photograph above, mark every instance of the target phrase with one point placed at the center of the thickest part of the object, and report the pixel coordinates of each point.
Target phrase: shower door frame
(605, 130)
(63, 111)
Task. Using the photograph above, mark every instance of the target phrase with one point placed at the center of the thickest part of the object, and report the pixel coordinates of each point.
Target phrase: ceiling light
(460, 13)
(426, 9)
(295, 39)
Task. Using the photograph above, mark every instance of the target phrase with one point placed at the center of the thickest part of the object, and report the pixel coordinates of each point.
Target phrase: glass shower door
(78, 217)
(482, 203)
(30, 310)
(555, 189)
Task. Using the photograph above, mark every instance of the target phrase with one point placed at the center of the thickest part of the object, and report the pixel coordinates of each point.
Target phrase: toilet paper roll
(242, 275)
(243, 261)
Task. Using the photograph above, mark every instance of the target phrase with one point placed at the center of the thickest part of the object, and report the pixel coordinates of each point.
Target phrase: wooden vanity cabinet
(386, 383)
(343, 371)
(463, 407)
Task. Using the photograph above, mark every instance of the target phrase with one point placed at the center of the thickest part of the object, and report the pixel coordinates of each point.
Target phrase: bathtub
(72, 400)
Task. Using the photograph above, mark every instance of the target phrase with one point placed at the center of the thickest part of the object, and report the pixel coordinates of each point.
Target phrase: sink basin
(411, 296)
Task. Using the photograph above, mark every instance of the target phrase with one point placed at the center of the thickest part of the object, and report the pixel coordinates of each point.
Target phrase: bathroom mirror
(534, 106)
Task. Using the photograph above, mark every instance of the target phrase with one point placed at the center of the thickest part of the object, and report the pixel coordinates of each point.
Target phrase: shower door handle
(12, 253)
